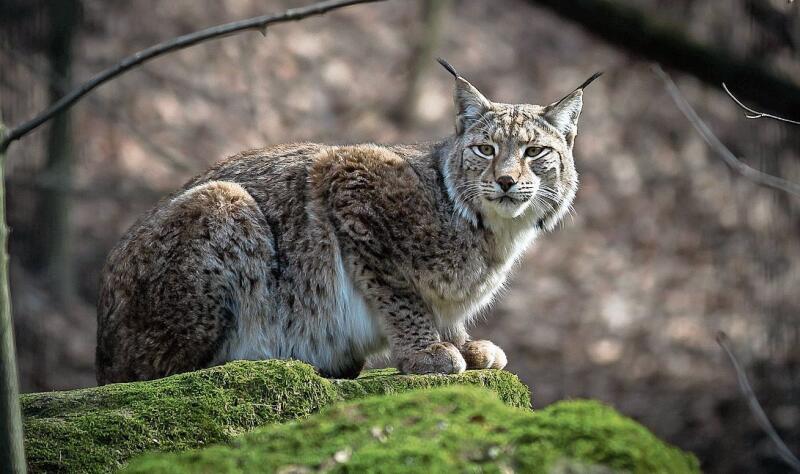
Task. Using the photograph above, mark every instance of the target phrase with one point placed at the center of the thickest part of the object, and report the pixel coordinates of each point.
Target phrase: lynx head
(513, 160)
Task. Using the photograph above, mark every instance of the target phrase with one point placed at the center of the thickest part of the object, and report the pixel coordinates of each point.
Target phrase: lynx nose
(506, 182)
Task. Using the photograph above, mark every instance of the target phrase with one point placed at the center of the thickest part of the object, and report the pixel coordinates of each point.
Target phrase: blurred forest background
(667, 246)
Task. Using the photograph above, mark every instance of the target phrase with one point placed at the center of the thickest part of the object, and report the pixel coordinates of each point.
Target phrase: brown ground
(667, 245)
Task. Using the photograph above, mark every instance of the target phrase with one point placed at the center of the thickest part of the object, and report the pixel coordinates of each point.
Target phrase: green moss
(454, 429)
(99, 429)
(389, 381)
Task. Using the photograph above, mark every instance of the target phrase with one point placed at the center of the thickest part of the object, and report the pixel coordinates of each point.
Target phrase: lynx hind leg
(483, 355)
(200, 256)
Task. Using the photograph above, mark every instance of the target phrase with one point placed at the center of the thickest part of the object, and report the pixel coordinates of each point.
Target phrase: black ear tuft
(449, 67)
(580, 87)
(590, 80)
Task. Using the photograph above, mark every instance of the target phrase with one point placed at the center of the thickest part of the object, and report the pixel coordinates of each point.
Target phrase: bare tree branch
(744, 384)
(651, 37)
(754, 114)
(758, 177)
(774, 22)
(259, 23)
(175, 161)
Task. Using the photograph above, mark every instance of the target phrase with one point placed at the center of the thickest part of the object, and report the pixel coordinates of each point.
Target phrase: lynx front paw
(438, 358)
(483, 355)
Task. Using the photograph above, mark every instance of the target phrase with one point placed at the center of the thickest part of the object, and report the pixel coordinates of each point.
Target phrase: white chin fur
(506, 209)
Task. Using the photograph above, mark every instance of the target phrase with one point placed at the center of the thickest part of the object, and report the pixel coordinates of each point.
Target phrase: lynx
(328, 254)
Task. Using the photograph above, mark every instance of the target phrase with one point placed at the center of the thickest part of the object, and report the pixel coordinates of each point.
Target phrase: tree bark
(12, 453)
(630, 29)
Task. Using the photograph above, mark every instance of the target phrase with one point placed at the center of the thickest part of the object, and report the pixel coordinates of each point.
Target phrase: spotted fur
(328, 254)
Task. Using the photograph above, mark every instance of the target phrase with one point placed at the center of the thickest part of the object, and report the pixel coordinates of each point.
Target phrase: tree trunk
(433, 13)
(55, 241)
(12, 453)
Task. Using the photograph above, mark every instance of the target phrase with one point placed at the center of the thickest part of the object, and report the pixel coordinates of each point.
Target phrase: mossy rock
(100, 429)
(450, 429)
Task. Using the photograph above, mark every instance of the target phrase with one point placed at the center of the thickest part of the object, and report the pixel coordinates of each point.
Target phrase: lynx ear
(563, 115)
(470, 103)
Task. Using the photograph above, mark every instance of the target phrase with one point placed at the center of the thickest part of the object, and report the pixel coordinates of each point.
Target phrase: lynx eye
(486, 151)
(534, 152)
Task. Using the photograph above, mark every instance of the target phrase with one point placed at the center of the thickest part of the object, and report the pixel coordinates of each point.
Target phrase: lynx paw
(483, 355)
(438, 358)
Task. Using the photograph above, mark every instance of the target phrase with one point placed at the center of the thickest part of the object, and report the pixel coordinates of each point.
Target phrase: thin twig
(747, 390)
(175, 161)
(758, 177)
(754, 114)
(259, 23)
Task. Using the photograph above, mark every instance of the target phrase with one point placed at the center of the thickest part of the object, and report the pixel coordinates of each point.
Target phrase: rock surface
(100, 429)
